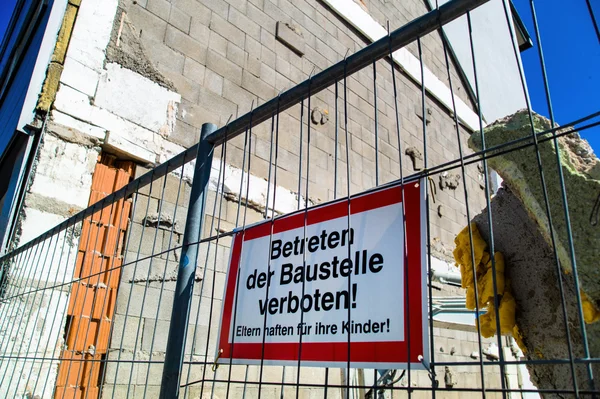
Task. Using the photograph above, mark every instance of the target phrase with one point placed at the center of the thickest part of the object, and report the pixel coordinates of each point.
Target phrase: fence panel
(92, 308)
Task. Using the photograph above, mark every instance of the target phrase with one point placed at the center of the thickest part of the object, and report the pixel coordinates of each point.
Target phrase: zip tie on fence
(432, 187)
(215, 365)
(430, 371)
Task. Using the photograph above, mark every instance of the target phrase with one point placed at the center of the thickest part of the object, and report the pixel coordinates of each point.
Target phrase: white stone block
(80, 126)
(73, 102)
(122, 144)
(91, 33)
(67, 172)
(79, 77)
(137, 99)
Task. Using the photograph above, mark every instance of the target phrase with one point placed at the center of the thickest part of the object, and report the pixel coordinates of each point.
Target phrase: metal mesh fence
(95, 307)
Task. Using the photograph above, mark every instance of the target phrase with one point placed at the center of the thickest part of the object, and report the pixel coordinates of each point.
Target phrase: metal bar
(376, 125)
(247, 146)
(185, 277)
(489, 214)
(468, 214)
(564, 197)
(593, 17)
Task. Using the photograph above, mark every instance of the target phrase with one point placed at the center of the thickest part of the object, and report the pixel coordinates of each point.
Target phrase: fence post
(187, 268)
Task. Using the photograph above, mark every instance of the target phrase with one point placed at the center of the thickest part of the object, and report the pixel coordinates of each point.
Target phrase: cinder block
(150, 374)
(291, 36)
(265, 21)
(180, 19)
(166, 58)
(125, 333)
(116, 391)
(217, 43)
(220, 7)
(196, 10)
(252, 46)
(155, 335)
(145, 240)
(120, 372)
(238, 19)
(268, 56)
(160, 8)
(183, 43)
(187, 88)
(126, 305)
(199, 31)
(213, 82)
(257, 86)
(224, 67)
(135, 270)
(148, 391)
(185, 134)
(240, 5)
(227, 30)
(193, 70)
(268, 74)
(236, 54)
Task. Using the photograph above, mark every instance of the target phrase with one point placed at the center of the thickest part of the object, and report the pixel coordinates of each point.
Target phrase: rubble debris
(449, 379)
(416, 157)
(581, 171)
(449, 180)
(164, 221)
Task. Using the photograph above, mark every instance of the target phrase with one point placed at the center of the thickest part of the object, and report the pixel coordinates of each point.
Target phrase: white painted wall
(355, 15)
(497, 69)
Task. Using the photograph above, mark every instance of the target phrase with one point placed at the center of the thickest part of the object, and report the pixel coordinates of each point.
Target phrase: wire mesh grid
(87, 306)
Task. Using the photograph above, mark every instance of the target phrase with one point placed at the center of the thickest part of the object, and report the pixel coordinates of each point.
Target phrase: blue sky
(572, 54)
(6, 9)
(571, 50)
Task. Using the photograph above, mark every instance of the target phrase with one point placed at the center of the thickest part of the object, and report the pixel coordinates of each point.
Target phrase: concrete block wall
(222, 55)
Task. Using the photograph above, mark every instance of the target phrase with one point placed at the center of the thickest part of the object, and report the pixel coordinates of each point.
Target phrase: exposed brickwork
(92, 301)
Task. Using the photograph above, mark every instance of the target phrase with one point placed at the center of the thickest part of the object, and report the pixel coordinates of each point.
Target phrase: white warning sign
(336, 282)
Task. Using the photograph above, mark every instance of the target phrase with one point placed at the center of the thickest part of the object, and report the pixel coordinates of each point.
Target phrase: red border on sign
(360, 352)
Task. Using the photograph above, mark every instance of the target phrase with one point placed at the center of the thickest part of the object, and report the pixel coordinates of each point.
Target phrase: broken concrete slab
(581, 170)
(416, 157)
(291, 36)
(532, 272)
